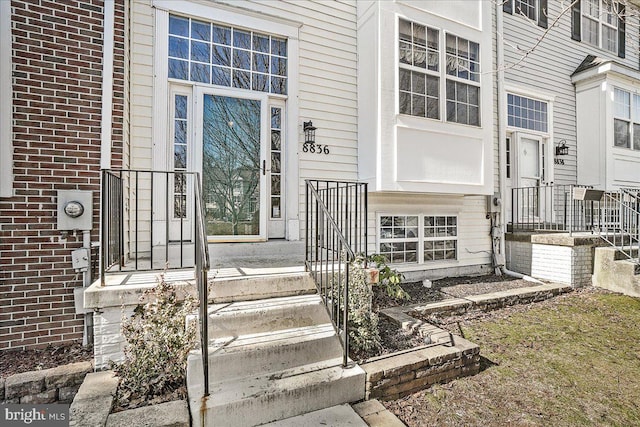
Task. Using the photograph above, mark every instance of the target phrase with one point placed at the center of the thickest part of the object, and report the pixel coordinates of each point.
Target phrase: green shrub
(389, 279)
(364, 337)
(157, 346)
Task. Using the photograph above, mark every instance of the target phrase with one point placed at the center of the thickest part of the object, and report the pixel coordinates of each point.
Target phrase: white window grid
(626, 119)
(527, 113)
(419, 57)
(526, 8)
(463, 80)
(600, 24)
(420, 74)
(418, 239)
(221, 55)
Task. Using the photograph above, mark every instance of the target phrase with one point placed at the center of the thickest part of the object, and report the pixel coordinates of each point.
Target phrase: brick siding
(57, 84)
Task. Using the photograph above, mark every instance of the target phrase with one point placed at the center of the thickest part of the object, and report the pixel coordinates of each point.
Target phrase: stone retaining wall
(398, 375)
(58, 384)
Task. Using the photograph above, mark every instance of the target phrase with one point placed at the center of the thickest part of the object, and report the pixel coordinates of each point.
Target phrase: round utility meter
(74, 209)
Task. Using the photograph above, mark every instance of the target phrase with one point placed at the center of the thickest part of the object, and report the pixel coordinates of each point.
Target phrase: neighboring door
(529, 159)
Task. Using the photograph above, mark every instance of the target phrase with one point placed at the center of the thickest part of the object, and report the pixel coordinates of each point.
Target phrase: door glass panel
(276, 168)
(231, 165)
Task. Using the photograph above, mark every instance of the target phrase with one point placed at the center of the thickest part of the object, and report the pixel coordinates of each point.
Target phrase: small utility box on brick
(75, 210)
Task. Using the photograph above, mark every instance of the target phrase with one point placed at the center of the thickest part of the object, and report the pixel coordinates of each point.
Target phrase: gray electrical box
(75, 210)
(493, 203)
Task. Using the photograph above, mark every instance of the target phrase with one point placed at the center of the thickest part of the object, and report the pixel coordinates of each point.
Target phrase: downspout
(499, 225)
(105, 143)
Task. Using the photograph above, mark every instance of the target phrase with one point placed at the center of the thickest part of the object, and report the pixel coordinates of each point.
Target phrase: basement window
(406, 239)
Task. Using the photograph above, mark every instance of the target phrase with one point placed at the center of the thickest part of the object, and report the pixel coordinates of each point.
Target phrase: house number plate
(310, 147)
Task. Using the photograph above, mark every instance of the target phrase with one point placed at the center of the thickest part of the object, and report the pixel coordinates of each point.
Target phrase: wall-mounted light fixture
(562, 149)
(309, 132)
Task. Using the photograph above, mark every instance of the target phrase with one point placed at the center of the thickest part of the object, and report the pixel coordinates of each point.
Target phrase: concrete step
(252, 317)
(234, 357)
(260, 286)
(274, 396)
(336, 416)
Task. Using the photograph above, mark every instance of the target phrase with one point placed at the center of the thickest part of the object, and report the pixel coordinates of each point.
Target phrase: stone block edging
(58, 384)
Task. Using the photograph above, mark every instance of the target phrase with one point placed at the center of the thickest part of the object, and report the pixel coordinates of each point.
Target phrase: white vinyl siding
(534, 73)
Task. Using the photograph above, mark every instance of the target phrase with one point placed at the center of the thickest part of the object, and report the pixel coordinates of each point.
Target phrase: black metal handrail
(552, 208)
(621, 228)
(202, 270)
(152, 209)
(336, 231)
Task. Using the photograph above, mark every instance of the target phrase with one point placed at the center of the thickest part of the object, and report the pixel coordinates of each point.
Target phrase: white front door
(529, 169)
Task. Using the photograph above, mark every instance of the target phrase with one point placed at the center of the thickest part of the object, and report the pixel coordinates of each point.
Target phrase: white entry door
(529, 162)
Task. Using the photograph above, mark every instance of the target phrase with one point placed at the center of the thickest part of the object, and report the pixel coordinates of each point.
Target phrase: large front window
(421, 74)
(418, 238)
(600, 24)
(626, 119)
(221, 55)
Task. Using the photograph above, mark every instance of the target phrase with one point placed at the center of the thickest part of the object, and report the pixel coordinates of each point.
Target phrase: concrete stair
(616, 273)
(270, 359)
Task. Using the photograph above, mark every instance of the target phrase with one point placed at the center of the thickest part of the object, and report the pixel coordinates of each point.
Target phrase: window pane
(278, 47)
(181, 106)
(621, 133)
(222, 55)
(222, 35)
(241, 39)
(200, 31)
(200, 73)
(178, 26)
(180, 132)
(621, 103)
(636, 137)
(261, 43)
(178, 48)
(178, 69)
(200, 52)
(221, 76)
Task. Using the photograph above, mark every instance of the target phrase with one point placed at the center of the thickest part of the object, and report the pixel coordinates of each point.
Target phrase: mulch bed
(18, 361)
(394, 339)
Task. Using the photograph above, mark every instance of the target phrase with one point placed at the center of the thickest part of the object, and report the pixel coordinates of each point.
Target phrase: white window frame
(631, 119)
(528, 98)
(6, 102)
(533, 8)
(441, 74)
(601, 24)
(420, 239)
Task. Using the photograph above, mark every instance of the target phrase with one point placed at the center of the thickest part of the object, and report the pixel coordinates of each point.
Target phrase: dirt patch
(568, 361)
(19, 361)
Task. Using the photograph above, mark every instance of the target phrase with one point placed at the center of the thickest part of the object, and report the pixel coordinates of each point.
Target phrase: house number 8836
(310, 147)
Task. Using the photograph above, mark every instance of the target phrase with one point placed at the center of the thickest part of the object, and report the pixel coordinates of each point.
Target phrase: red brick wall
(57, 79)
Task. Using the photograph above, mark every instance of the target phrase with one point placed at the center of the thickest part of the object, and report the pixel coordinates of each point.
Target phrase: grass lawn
(570, 361)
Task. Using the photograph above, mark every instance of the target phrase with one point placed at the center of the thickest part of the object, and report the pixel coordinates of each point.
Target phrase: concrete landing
(336, 416)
